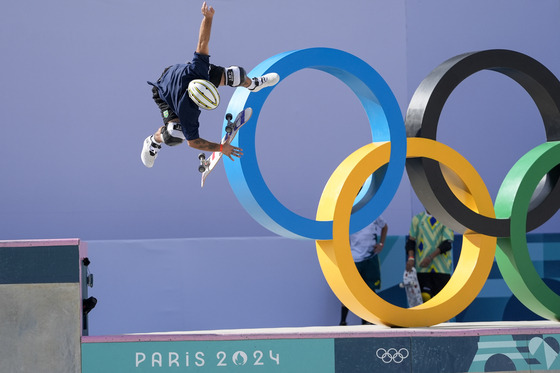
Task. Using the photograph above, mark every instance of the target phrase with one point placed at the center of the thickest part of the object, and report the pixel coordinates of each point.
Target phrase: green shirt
(429, 233)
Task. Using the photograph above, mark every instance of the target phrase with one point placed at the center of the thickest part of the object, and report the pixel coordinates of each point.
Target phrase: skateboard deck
(208, 164)
(412, 288)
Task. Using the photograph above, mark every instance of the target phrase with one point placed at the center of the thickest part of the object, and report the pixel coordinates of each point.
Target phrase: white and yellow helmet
(204, 94)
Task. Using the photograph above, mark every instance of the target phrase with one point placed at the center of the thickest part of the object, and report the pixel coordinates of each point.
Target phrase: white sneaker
(267, 80)
(149, 151)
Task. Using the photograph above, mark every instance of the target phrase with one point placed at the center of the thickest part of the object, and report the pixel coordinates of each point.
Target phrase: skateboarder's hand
(207, 11)
(232, 151)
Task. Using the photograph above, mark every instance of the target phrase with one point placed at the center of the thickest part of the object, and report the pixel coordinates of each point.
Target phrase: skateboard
(208, 164)
(412, 288)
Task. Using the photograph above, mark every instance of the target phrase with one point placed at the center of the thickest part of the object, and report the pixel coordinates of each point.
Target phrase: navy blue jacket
(172, 88)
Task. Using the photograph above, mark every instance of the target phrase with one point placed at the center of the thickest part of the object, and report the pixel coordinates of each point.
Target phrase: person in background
(365, 245)
(428, 249)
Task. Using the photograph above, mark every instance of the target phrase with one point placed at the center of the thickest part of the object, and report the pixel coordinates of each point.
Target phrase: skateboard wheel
(202, 156)
(229, 129)
(201, 168)
(229, 116)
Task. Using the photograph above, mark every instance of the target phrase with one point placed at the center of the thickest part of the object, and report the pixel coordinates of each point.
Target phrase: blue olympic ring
(386, 124)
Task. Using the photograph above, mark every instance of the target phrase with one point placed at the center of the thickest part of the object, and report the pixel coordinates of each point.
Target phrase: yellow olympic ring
(335, 258)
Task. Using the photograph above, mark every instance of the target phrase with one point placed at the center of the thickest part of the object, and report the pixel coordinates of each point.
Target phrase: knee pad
(172, 134)
(235, 76)
(215, 74)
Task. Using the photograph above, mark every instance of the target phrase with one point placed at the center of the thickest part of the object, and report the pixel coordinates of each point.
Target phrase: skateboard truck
(202, 159)
(229, 125)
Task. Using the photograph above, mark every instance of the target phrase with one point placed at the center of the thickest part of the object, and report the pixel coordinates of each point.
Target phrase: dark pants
(370, 271)
(432, 282)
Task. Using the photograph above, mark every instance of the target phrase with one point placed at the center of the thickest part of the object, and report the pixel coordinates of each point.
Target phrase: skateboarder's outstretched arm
(206, 145)
(205, 30)
(226, 149)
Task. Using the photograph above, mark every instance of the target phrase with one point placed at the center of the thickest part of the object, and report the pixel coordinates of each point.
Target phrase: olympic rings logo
(444, 181)
(392, 355)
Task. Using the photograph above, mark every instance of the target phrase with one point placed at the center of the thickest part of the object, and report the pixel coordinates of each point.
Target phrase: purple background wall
(75, 108)
(77, 74)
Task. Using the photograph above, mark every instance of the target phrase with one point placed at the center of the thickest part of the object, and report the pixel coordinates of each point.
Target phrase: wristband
(221, 147)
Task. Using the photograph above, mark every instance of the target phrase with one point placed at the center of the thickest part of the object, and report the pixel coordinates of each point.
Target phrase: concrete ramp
(40, 306)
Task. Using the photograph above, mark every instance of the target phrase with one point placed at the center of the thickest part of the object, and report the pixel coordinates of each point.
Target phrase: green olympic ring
(512, 255)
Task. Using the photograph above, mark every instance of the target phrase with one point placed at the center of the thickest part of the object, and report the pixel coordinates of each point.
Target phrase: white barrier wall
(148, 286)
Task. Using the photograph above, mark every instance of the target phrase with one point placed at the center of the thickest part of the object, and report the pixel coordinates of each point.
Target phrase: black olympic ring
(422, 118)
(392, 355)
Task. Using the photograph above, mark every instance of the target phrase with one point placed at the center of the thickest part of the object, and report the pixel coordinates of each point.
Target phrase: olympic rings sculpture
(443, 180)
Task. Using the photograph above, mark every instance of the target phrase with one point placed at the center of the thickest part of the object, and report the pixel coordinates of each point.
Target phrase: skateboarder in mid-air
(183, 89)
